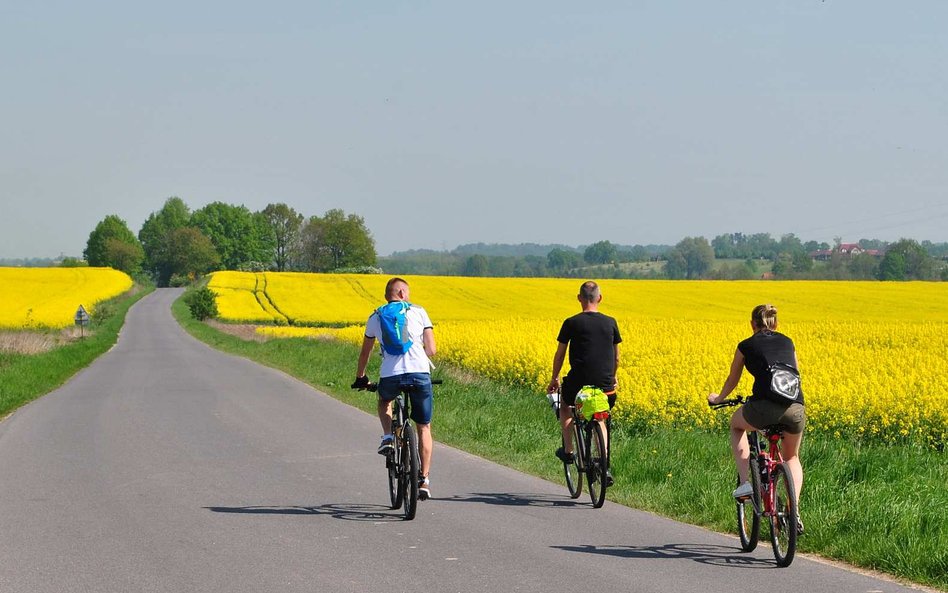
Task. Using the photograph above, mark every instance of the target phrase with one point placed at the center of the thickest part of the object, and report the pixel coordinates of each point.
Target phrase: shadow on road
(703, 553)
(348, 512)
(509, 499)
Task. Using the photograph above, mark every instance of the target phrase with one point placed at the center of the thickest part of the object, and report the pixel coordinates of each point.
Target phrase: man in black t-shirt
(593, 340)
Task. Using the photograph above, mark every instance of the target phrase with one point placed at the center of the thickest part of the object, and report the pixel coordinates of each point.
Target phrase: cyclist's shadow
(704, 553)
(347, 512)
(511, 499)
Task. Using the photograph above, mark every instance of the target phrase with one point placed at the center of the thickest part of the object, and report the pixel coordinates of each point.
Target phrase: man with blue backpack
(406, 337)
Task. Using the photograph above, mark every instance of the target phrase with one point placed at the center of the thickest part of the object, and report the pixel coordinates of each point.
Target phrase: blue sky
(449, 123)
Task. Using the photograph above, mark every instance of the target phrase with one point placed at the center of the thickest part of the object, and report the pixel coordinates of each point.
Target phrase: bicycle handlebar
(375, 386)
(728, 403)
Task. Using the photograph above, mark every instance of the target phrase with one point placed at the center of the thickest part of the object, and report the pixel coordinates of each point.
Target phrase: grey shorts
(761, 413)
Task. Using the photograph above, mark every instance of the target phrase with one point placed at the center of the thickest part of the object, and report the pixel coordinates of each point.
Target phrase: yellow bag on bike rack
(590, 401)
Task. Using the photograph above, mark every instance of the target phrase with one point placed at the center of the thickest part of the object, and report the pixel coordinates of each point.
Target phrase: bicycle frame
(400, 416)
(768, 458)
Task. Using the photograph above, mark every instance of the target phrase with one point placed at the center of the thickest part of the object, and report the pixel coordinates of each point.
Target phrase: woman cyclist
(765, 407)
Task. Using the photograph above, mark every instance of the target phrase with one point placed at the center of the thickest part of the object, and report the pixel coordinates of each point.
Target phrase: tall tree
(239, 237)
(561, 259)
(190, 252)
(285, 224)
(691, 258)
(864, 267)
(474, 265)
(336, 241)
(154, 233)
(103, 247)
(123, 255)
(790, 245)
(906, 260)
(602, 252)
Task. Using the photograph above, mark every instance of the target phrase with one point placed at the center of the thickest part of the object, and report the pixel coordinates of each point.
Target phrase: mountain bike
(403, 464)
(590, 454)
(773, 497)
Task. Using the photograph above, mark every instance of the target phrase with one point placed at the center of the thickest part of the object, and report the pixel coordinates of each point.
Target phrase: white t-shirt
(413, 361)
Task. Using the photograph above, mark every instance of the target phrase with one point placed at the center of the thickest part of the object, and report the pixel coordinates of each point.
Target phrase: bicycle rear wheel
(783, 523)
(410, 468)
(395, 491)
(748, 511)
(596, 464)
(574, 478)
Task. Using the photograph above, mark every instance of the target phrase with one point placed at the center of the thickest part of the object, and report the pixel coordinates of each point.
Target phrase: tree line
(734, 256)
(174, 244)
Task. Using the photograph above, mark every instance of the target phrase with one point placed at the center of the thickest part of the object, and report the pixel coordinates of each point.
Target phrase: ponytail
(764, 317)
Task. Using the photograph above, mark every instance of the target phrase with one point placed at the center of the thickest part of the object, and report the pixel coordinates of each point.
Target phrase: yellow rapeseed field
(41, 298)
(872, 354)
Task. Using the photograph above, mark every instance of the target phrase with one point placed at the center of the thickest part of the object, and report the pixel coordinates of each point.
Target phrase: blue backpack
(395, 339)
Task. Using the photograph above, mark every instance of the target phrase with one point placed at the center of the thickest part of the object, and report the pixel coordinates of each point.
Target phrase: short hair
(589, 292)
(392, 286)
(764, 317)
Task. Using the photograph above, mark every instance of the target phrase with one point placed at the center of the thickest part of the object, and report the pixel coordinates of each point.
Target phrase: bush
(202, 303)
(103, 311)
(179, 280)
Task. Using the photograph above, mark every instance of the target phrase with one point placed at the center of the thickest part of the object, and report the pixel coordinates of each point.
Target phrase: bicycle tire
(395, 491)
(748, 511)
(574, 478)
(596, 464)
(410, 467)
(783, 523)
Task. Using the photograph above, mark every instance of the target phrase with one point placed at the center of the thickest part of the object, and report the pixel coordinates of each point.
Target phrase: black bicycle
(403, 464)
(590, 455)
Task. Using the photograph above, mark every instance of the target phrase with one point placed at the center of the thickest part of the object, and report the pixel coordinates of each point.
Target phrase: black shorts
(569, 388)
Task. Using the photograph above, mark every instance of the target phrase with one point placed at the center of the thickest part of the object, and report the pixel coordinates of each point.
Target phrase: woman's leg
(739, 446)
(790, 449)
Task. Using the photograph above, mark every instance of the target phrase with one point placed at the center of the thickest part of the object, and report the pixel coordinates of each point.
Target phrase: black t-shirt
(592, 337)
(760, 351)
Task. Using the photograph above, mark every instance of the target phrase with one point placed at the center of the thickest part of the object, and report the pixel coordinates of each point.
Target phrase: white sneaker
(388, 445)
(745, 490)
(424, 488)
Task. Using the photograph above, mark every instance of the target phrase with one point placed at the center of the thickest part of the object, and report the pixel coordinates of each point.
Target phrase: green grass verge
(874, 506)
(24, 378)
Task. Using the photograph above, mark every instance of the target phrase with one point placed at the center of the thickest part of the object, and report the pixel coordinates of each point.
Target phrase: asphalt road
(167, 466)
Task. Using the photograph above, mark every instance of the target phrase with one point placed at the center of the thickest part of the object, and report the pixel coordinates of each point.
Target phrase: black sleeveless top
(760, 351)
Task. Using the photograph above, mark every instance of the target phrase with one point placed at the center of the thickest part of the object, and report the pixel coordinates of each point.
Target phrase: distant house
(850, 249)
(844, 249)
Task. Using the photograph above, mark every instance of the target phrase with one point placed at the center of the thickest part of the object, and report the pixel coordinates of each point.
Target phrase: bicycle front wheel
(596, 464)
(783, 522)
(748, 511)
(574, 478)
(410, 468)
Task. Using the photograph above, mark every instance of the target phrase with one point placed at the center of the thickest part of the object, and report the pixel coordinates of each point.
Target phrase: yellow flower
(871, 353)
(49, 297)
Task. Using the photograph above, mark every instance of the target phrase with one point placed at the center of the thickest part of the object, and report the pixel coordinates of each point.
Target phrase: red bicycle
(773, 496)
